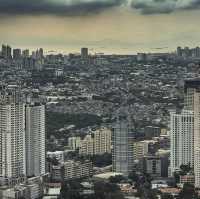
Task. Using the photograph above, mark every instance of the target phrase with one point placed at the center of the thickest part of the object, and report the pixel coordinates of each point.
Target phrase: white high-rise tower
(181, 139)
(12, 135)
(181, 129)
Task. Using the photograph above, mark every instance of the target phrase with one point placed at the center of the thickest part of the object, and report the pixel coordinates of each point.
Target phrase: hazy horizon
(110, 27)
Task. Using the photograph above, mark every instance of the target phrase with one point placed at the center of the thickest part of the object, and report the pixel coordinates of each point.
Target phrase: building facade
(181, 136)
(122, 154)
(12, 135)
(35, 140)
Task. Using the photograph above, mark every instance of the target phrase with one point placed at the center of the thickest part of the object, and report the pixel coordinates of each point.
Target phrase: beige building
(102, 141)
(87, 145)
(74, 142)
(76, 169)
(97, 142)
(141, 149)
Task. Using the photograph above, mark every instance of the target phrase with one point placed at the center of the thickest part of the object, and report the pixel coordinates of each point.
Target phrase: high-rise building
(181, 136)
(25, 53)
(35, 140)
(192, 102)
(22, 136)
(84, 53)
(16, 54)
(9, 52)
(6, 52)
(12, 135)
(122, 154)
(179, 51)
(41, 53)
(183, 130)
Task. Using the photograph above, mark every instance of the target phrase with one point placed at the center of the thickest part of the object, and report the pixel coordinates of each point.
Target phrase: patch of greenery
(56, 121)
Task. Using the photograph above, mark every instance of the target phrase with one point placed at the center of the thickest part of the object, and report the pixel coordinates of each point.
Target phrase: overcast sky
(110, 26)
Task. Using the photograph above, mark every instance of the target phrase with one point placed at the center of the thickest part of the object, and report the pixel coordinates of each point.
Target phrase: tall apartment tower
(192, 102)
(122, 154)
(12, 134)
(182, 138)
(35, 140)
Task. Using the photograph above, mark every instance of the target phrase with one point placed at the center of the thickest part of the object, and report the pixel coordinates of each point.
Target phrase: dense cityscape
(97, 126)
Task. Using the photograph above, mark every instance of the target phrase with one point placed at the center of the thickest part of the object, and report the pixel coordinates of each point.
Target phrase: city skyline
(102, 26)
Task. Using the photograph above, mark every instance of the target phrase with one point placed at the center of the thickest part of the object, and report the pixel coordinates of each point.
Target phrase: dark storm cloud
(164, 6)
(85, 7)
(57, 7)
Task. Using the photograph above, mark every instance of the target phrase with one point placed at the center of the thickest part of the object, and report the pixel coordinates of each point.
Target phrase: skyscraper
(12, 135)
(35, 140)
(192, 102)
(181, 136)
(22, 136)
(9, 52)
(84, 53)
(6, 52)
(181, 128)
(16, 54)
(122, 154)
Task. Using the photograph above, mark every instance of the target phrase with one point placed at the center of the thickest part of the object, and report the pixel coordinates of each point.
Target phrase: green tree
(188, 192)
(133, 176)
(185, 169)
(167, 196)
(107, 191)
(71, 190)
(116, 179)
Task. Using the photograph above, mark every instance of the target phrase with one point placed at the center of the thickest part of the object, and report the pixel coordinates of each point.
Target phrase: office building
(6, 52)
(152, 165)
(84, 53)
(122, 153)
(35, 140)
(192, 102)
(156, 166)
(16, 54)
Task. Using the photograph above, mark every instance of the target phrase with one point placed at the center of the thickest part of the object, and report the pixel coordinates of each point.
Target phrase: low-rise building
(76, 169)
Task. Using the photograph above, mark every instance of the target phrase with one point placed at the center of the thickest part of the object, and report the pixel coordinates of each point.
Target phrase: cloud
(164, 6)
(86, 7)
(57, 7)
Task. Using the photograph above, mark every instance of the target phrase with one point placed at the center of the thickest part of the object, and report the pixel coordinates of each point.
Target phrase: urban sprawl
(96, 126)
